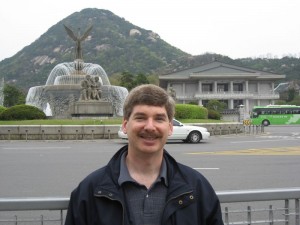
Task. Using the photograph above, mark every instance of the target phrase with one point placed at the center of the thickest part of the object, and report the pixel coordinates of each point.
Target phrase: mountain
(117, 45)
(288, 65)
(114, 43)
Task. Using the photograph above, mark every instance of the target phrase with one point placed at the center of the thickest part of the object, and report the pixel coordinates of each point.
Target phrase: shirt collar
(125, 176)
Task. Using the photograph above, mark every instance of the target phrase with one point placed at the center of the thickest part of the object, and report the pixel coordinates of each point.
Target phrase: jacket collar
(176, 180)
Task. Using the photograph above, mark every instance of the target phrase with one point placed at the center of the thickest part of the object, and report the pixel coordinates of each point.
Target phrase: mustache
(149, 134)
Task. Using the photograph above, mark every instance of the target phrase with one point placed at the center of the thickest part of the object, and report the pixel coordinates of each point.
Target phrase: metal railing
(238, 207)
(39, 208)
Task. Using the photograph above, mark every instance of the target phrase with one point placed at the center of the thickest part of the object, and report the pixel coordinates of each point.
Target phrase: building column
(199, 87)
(247, 106)
(231, 87)
(199, 92)
(230, 103)
(215, 87)
(258, 88)
(247, 86)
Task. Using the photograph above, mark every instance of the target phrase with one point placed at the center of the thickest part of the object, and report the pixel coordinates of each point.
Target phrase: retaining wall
(56, 132)
(90, 132)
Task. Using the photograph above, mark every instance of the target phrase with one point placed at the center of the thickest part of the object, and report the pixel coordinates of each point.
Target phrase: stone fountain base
(94, 109)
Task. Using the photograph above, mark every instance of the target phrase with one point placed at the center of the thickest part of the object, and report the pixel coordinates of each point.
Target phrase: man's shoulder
(188, 170)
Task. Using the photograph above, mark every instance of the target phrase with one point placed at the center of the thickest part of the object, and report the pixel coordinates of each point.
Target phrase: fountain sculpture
(78, 89)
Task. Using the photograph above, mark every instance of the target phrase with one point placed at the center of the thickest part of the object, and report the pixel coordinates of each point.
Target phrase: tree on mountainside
(130, 81)
(13, 96)
(295, 101)
(291, 94)
(127, 80)
(140, 79)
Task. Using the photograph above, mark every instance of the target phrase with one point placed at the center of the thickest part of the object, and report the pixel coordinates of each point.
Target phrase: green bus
(275, 115)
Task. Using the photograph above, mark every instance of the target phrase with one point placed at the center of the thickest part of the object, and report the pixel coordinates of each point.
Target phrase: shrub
(216, 105)
(280, 102)
(295, 101)
(2, 108)
(22, 112)
(214, 115)
(187, 111)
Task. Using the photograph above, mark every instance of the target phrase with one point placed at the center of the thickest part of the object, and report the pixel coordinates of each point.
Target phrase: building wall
(265, 87)
(191, 88)
(178, 87)
(253, 87)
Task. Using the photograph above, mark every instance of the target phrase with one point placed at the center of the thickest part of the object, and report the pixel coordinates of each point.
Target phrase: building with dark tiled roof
(231, 84)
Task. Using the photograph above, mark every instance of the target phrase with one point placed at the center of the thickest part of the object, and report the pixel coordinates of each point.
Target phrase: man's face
(147, 128)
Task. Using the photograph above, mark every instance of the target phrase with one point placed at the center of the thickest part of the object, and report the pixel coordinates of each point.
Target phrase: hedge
(187, 111)
(2, 108)
(22, 112)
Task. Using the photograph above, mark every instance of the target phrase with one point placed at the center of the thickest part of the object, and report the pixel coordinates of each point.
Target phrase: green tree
(153, 79)
(280, 102)
(216, 105)
(295, 101)
(13, 96)
(2, 108)
(291, 94)
(140, 79)
(127, 80)
(115, 79)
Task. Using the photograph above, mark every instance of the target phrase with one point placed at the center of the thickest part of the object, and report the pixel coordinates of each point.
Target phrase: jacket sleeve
(208, 203)
(215, 218)
(76, 210)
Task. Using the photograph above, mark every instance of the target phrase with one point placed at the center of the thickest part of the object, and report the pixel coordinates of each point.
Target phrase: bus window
(254, 114)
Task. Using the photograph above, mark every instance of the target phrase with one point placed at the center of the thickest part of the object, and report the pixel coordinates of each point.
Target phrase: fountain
(78, 89)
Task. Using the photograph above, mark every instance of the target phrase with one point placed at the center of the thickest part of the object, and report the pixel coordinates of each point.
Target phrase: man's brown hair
(148, 94)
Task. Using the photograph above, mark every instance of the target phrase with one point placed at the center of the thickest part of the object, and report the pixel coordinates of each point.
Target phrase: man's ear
(124, 123)
(171, 128)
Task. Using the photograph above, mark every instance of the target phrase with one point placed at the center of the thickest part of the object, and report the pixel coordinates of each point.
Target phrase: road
(230, 162)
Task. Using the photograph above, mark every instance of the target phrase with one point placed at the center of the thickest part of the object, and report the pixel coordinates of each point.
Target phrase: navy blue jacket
(99, 200)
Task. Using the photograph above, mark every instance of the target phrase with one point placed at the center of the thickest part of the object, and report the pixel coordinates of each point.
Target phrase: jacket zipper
(104, 196)
(173, 199)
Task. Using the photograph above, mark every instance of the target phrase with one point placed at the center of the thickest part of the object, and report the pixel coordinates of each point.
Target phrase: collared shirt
(144, 205)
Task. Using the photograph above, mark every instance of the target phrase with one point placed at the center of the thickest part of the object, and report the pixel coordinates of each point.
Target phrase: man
(142, 184)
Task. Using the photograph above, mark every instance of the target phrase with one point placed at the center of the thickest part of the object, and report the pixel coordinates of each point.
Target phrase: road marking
(238, 142)
(259, 151)
(31, 148)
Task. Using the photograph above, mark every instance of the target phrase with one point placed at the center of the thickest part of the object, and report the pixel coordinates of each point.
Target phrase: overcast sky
(235, 28)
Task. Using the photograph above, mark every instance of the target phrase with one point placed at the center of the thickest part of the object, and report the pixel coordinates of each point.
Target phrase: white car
(186, 133)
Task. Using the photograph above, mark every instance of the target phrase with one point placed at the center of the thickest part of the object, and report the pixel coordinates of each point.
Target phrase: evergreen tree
(127, 80)
(13, 96)
(141, 79)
